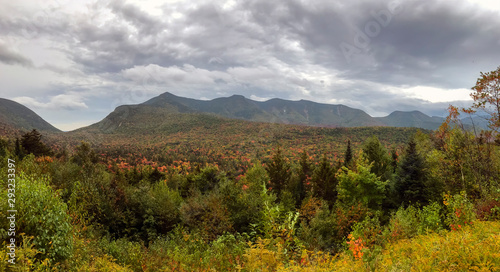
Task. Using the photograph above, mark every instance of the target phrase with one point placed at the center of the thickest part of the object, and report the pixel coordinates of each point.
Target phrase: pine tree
(305, 172)
(394, 162)
(31, 142)
(279, 172)
(3, 147)
(375, 153)
(324, 182)
(410, 183)
(348, 154)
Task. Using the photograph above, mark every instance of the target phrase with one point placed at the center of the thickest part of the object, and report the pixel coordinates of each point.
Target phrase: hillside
(301, 112)
(411, 119)
(14, 116)
(163, 135)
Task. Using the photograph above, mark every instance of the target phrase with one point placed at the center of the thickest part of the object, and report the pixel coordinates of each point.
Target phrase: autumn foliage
(229, 195)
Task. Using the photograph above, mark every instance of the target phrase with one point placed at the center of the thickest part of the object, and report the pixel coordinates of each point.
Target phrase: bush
(460, 211)
(43, 215)
(188, 251)
(476, 248)
(207, 214)
(411, 221)
(327, 230)
(125, 252)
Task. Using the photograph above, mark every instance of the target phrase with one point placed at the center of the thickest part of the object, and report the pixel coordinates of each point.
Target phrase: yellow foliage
(260, 258)
(103, 263)
(474, 248)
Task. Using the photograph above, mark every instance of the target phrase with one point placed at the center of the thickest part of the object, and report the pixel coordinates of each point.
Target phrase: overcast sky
(73, 63)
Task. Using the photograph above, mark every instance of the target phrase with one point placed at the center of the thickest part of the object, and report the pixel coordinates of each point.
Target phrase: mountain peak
(237, 96)
(20, 117)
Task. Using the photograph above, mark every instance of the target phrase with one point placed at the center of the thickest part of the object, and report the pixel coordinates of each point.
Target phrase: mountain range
(302, 112)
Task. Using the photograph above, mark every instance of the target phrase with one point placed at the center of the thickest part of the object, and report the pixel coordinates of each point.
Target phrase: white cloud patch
(435, 95)
(186, 75)
(58, 102)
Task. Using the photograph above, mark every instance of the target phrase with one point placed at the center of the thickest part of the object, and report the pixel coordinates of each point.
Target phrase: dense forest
(418, 200)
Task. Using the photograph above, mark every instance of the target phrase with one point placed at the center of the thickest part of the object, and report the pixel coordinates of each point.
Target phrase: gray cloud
(290, 49)
(10, 57)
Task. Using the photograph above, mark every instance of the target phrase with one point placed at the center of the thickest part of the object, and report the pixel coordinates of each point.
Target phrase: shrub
(188, 251)
(411, 221)
(460, 211)
(207, 214)
(430, 218)
(43, 215)
(489, 208)
(476, 248)
(125, 252)
(328, 229)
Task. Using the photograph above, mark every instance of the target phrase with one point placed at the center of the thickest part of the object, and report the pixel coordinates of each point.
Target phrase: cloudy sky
(73, 62)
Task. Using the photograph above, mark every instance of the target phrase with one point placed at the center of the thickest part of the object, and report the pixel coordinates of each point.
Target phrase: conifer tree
(394, 162)
(324, 182)
(279, 172)
(31, 142)
(410, 183)
(304, 174)
(19, 150)
(348, 154)
(376, 153)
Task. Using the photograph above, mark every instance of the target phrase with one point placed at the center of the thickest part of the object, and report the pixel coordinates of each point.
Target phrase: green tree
(85, 155)
(375, 153)
(279, 172)
(361, 186)
(305, 172)
(245, 199)
(410, 183)
(394, 161)
(43, 215)
(32, 143)
(348, 154)
(324, 182)
(19, 150)
(3, 147)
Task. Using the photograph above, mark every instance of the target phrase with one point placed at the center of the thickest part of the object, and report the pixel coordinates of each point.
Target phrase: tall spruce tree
(324, 182)
(348, 154)
(305, 173)
(279, 172)
(410, 183)
(394, 161)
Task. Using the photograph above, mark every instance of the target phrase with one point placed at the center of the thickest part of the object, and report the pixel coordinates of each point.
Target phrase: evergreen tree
(3, 147)
(376, 153)
(31, 142)
(348, 154)
(305, 172)
(394, 162)
(279, 172)
(410, 183)
(19, 150)
(324, 182)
